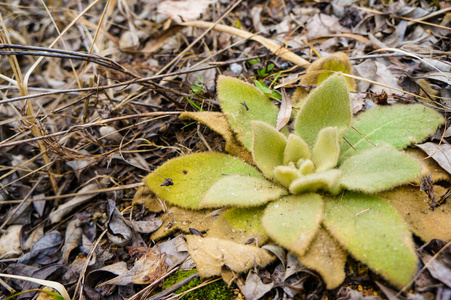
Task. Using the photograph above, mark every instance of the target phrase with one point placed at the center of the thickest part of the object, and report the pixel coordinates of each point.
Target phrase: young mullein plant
(309, 190)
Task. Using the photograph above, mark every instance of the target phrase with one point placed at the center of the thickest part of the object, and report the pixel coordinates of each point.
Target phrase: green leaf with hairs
(285, 175)
(378, 169)
(326, 106)
(183, 181)
(373, 232)
(268, 147)
(294, 220)
(397, 126)
(243, 103)
(326, 150)
(243, 191)
(246, 219)
(315, 181)
(295, 150)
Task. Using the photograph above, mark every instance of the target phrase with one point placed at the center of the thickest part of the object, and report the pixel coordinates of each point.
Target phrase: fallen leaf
(72, 238)
(175, 251)
(57, 215)
(186, 10)
(45, 249)
(284, 112)
(212, 254)
(119, 232)
(255, 288)
(438, 270)
(440, 153)
(150, 267)
(10, 241)
(326, 256)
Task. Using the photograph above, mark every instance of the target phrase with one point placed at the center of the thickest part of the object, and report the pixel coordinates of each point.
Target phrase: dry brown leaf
(326, 257)
(186, 10)
(72, 238)
(436, 171)
(10, 241)
(413, 206)
(156, 43)
(178, 219)
(440, 153)
(218, 123)
(284, 112)
(64, 209)
(147, 269)
(212, 254)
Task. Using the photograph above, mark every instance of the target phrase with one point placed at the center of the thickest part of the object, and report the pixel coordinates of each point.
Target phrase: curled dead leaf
(212, 254)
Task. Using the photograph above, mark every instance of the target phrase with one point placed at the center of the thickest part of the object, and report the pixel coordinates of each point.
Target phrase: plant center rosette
(309, 190)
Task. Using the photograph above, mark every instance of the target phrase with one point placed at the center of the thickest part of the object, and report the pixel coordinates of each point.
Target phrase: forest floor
(91, 92)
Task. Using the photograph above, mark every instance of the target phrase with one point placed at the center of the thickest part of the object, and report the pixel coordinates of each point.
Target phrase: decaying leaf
(430, 165)
(10, 241)
(186, 10)
(284, 114)
(326, 256)
(72, 238)
(413, 206)
(218, 123)
(212, 254)
(440, 153)
(150, 267)
(57, 215)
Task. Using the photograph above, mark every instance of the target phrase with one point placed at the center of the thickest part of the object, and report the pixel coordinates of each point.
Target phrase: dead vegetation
(91, 92)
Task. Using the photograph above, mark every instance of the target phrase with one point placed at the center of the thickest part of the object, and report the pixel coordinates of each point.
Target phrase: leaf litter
(98, 113)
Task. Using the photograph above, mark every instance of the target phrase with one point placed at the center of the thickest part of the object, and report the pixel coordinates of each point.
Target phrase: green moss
(215, 290)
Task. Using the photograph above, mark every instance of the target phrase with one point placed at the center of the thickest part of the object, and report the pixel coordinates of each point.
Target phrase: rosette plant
(313, 191)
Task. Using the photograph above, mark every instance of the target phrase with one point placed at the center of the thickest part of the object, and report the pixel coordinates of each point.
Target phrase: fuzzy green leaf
(286, 174)
(315, 181)
(267, 148)
(247, 219)
(305, 166)
(193, 175)
(327, 106)
(236, 190)
(293, 221)
(373, 232)
(295, 150)
(243, 103)
(396, 125)
(378, 169)
(326, 150)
